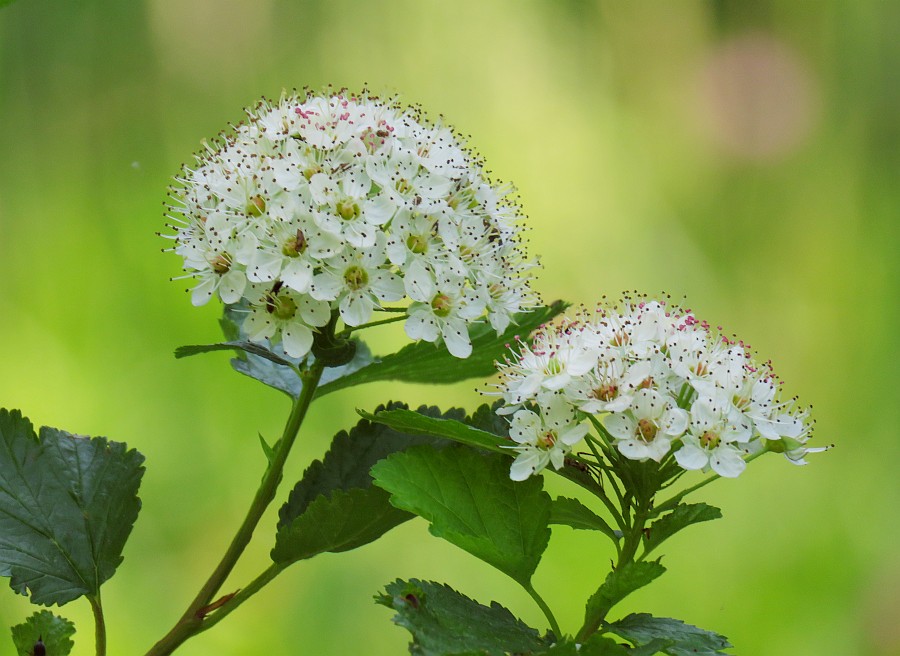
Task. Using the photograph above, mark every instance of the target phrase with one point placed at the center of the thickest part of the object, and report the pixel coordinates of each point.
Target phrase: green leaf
(682, 516)
(444, 622)
(67, 506)
(52, 631)
(334, 507)
(598, 645)
(619, 584)
(471, 502)
(428, 363)
(342, 521)
(571, 512)
(416, 423)
(684, 639)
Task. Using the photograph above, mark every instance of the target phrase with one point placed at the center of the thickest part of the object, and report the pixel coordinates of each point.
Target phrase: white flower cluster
(661, 384)
(344, 202)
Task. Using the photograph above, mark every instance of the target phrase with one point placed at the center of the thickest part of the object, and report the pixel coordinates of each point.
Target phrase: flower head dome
(658, 383)
(344, 203)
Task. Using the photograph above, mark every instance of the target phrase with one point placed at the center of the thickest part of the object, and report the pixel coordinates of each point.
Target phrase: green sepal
(67, 507)
(684, 639)
(619, 584)
(682, 515)
(470, 501)
(54, 633)
(443, 621)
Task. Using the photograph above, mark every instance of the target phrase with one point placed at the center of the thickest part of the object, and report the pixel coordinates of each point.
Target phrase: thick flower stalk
(658, 383)
(344, 202)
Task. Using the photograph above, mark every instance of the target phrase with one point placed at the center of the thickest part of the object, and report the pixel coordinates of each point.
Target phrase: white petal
(691, 457)
(675, 421)
(386, 286)
(297, 274)
(325, 287)
(633, 449)
(726, 461)
(356, 309)
(378, 210)
(419, 283)
(421, 325)
(315, 313)
(524, 465)
(297, 339)
(232, 285)
(456, 337)
(620, 426)
(201, 294)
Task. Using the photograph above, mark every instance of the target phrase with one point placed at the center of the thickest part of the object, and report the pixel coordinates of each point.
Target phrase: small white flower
(647, 428)
(543, 438)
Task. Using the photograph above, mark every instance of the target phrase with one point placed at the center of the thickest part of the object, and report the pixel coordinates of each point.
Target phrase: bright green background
(746, 157)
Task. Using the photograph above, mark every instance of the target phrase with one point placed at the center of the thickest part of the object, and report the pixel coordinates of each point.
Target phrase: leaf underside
(67, 506)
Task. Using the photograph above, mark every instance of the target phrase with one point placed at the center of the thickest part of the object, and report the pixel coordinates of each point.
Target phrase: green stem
(629, 549)
(554, 625)
(99, 624)
(381, 322)
(245, 593)
(675, 500)
(192, 620)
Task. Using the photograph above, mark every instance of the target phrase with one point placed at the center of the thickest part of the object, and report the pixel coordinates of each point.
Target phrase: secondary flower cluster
(345, 202)
(660, 383)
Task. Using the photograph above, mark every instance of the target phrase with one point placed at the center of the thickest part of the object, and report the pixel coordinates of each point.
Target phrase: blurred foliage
(742, 154)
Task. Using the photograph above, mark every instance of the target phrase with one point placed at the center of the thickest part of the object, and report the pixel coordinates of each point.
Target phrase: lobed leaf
(471, 502)
(67, 506)
(334, 507)
(619, 584)
(443, 622)
(52, 631)
(683, 515)
(684, 639)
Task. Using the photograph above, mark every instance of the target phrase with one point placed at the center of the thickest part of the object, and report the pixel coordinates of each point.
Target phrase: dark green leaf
(54, 633)
(619, 584)
(342, 521)
(571, 512)
(452, 429)
(598, 645)
(444, 622)
(334, 507)
(685, 640)
(470, 501)
(67, 506)
(486, 418)
(683, 515)
(424, 362)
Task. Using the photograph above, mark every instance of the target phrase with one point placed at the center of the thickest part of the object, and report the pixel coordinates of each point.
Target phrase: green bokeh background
(742, 154)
